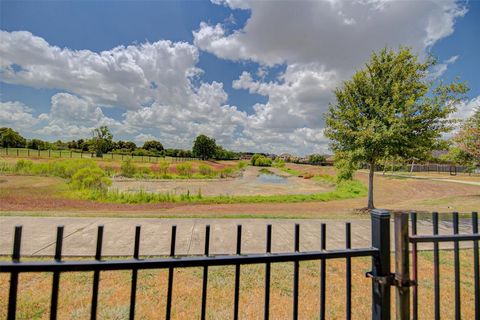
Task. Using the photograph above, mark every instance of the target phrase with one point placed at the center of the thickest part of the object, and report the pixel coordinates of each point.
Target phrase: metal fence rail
(382, 278)
(57, 266)
(436, 238)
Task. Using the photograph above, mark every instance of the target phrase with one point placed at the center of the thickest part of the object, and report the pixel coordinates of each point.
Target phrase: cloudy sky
(256, 75)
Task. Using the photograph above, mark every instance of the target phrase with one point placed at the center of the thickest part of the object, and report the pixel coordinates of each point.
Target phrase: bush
(81, 173)
(59, 168)
(242, 164)
(143, 172)
(184, 169)
(345, 169)
(227, 172)
(23, 166)
(254, 158)
(163, 167)
(127, 169)
(262, 162)
(5, 167)
(279, 163)
(206, 170)
(91, 178)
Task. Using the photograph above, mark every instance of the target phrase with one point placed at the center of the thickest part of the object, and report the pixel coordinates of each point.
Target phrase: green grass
(344, 190)
(203, 215)
(291, 171)
(265, 171)
(67, 154)
(59, 167)
(327, 178)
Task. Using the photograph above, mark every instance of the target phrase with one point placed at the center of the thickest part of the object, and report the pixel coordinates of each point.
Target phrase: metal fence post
(402, 264)
(380, 273)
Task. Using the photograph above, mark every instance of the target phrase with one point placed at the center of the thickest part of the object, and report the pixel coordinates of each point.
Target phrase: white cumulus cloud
(317, 44)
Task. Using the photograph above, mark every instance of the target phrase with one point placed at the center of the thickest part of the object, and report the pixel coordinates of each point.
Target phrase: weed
(184, 169)
(128, 169)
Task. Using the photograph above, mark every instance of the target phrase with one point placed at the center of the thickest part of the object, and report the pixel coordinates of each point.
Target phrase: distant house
(246, 155)
(330, 160)
(285, 157)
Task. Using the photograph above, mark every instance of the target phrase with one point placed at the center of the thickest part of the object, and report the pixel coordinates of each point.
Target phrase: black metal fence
(382, 278)
(435, 238)
(440, 168)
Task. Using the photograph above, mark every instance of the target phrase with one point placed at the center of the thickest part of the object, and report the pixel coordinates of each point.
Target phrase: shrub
(143, 172)
(227, 172)
(184, 169)
(242, 164)
(5, 167)
(92, 178)
(163, 167)
(262, 162)
(345, 169)
(206, 170)
(127, 169)
(254, 158)
(23, 166)
(279, 163)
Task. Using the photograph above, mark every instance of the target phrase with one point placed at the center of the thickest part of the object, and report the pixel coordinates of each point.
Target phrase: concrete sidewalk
(38, 238)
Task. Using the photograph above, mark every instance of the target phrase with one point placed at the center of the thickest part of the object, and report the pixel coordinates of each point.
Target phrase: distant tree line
(102, 142)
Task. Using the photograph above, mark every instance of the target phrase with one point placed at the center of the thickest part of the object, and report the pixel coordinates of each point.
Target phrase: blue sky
(255, 75)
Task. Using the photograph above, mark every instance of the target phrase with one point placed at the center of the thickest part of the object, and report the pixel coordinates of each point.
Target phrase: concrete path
(80, 235)
(473, 183)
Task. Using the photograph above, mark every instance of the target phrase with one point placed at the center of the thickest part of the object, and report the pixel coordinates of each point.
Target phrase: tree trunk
(370, 185)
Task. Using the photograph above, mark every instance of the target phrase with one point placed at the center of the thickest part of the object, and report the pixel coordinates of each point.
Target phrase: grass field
(75, 291)
(67, 154)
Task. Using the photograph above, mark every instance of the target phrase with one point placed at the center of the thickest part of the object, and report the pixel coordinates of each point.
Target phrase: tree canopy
(468, 138)
(316, 158)
(11, 139)
(153, 145)
(390, 108)
(204, 147)
(102, 140)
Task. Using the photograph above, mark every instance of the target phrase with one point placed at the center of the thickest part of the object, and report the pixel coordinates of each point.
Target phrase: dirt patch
(33, 193)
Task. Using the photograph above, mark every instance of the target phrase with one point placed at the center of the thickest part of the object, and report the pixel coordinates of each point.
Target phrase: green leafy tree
(204, 147)
(260, 160)
(390, 108)
(456, 155)
(102, 141)
(153, 145)
(37, 144)
(11, 139)
(468, 138)
(131, 146)
(222, 154)
(316, 159)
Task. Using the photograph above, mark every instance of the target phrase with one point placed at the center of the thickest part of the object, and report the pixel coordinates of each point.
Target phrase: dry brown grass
(74, 302)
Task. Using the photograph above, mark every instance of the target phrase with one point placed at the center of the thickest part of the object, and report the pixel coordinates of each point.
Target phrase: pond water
(271, 178)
